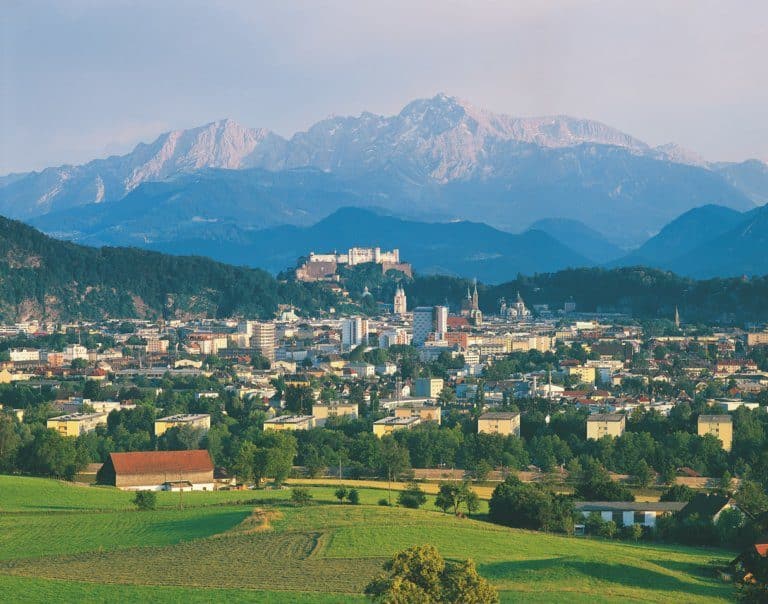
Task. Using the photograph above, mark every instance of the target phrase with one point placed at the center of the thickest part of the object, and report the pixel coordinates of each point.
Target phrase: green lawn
(59, 541)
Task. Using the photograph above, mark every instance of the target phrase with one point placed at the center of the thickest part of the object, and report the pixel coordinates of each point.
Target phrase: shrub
(383, 502)
(412, 497)
(341, 494)
(632, 532)
(145, 500)
(608, 529)
(353, 496)
(301, 495)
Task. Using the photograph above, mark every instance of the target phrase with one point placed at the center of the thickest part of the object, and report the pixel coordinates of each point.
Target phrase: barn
(159, 471)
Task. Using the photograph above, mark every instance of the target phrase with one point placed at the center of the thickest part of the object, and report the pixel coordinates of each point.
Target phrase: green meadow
(65, 542)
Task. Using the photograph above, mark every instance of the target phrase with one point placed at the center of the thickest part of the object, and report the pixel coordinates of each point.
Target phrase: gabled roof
(706, 505)
(155, 462)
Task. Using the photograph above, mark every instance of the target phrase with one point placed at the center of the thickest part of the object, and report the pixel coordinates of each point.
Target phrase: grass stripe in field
(30, 535)
(32, 590)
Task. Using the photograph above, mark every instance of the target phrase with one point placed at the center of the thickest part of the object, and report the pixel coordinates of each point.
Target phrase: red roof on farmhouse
(153, 462)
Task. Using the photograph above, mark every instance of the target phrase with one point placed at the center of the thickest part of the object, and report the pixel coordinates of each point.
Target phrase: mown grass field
(62, 542)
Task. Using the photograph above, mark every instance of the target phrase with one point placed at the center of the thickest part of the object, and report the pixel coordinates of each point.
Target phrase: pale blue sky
(82, 79)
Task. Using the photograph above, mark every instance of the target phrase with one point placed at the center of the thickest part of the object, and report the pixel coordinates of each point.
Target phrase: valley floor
(63, 542)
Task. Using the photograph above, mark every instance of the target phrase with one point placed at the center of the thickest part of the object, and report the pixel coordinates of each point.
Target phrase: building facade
(504, 423)
(720, 426)
(606, 424)
(158, 471)
(200, 421)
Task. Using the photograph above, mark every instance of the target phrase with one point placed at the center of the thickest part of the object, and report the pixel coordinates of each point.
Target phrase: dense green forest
(44, 278)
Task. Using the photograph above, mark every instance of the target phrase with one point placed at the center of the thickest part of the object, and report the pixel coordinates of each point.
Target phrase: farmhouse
(708, 505)
(158, 471)
(625, 513)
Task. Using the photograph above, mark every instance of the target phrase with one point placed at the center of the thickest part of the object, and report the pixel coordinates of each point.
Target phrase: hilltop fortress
(322, 267)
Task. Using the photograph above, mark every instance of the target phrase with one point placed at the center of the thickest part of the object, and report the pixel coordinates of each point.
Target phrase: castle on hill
(323, 267)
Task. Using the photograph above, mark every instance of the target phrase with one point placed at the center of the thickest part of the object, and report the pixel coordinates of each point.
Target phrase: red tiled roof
(153, 462)
(762, 549)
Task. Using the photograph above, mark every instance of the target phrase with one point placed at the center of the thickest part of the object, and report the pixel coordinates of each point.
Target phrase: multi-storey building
(201, 421)
(429, 321)
(606, 424)
(504, 423)
(321, 412)
(387, 425)
(429, 387)
(263, 339)
(720, 426)
(290, 422)
(354, 331)
(75, 424)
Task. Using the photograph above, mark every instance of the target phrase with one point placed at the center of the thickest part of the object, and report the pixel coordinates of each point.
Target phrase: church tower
(677, 318)
(399, 304)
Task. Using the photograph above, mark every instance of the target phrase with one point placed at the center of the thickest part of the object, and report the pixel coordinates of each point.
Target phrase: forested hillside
(44, 278)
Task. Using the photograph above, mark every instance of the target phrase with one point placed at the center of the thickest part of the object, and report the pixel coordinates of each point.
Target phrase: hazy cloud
(82, 79)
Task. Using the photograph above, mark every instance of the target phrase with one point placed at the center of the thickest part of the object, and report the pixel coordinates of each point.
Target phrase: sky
(83, 79)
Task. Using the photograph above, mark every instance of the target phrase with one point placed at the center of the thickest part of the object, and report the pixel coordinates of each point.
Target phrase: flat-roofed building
(75, 424)
(426, 413)
(290, 422)
(159, 471)
(430, 387)
(606, 424)
(720, 426)
(387, 425)
(585, 375)
(200, 421)
(322, 412)
(499, 422)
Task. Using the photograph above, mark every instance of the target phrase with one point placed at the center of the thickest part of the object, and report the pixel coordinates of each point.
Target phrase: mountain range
(706, 242)
(456, 248)
(594, 189)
